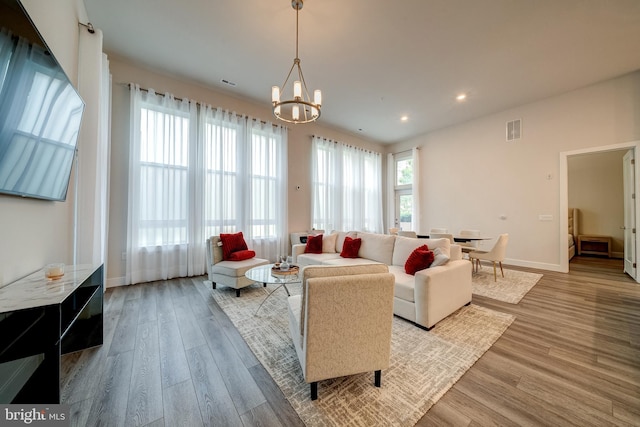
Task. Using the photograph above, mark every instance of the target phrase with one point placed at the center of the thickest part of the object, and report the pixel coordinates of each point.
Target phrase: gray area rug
(510, 288)
(424, 365)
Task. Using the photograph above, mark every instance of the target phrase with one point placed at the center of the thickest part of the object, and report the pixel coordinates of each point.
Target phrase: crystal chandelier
(300, 108)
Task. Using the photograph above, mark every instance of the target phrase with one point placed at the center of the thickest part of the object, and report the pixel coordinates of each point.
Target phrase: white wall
(470, 176)
(596, 189)
(299, 136)
(34, 232)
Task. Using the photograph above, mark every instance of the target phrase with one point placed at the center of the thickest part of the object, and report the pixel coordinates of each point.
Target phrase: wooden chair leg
(495, 277)
(314, 390)
(501, 270)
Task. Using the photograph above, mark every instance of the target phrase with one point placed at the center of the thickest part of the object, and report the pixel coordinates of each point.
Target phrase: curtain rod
(128, 85)
(348, 145)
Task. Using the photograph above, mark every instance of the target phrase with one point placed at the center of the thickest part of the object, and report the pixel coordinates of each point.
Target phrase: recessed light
(461, 97)
(404, 118)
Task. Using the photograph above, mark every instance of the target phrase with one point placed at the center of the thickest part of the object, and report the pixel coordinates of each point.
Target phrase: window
(346, 187)
(164, 158)
(196, 172)
(221, 146)
(403, 191)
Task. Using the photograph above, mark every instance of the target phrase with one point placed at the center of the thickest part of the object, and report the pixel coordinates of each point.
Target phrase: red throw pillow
(242, 255)
(350, 247)
(232, 243)
(419, 259)
(314, 245)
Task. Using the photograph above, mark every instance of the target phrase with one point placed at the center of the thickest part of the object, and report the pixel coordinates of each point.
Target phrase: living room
(471, 176)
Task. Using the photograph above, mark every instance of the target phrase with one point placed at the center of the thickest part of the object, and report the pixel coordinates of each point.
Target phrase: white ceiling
(376, 60)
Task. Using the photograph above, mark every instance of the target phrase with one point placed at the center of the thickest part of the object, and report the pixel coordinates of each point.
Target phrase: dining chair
(408, 234)
(471, 245)
(495, 255)
(438, 230)
(442, 236)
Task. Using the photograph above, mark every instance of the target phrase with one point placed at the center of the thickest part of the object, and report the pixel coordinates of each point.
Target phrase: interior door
(628, 171)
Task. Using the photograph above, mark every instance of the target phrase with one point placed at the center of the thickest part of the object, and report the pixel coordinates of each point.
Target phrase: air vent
(514, 130)
(228, 82)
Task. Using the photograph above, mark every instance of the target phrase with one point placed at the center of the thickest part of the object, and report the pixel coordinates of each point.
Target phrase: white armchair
(228, 273)
(341, 323)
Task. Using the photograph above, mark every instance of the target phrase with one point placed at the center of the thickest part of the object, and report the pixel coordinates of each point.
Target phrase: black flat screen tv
(40, 111)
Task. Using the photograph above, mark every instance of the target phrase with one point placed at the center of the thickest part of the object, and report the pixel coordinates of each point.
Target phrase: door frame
(564, 194)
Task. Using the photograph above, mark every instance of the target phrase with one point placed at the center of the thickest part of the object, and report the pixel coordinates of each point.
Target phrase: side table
(265, 274)
(593, 244)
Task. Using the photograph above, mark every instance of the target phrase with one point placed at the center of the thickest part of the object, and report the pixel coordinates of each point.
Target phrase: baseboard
(114, 282)
(531, 264)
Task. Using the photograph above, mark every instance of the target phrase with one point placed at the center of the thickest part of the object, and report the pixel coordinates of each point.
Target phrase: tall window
(197, 172)
(164, 161)
(403, 191)
(346, 185)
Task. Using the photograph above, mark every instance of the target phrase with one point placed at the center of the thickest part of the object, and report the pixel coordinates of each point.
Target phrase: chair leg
(264, 285)
(314, 390)
(495, 277)
(237, 292)
(213, 284)
(378, 378)
(501, 270)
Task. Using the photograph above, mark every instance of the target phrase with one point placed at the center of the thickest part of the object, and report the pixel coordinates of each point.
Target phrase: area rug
(510, 288)
(424, 365)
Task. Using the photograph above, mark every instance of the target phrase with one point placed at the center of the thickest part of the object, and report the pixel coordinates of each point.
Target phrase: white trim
(531, 264)
(114, 282)
(564, 194)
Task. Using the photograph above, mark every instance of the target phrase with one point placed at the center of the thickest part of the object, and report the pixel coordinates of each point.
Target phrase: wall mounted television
(40, 111)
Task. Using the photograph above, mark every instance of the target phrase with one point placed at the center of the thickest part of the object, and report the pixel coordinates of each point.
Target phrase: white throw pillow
(439, 258)
(329, 243)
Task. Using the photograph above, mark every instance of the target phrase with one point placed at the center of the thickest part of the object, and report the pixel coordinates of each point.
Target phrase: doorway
(608, 214)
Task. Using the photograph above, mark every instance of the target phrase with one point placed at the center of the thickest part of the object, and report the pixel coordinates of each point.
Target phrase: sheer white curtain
(245, 180)
(160, 203)
(391, 191)
(267, 225)
(220, 137)
(415, 189)
(347, 183)
(325, 207)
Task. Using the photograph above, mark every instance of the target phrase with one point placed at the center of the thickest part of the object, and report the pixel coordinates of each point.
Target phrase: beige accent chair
(495, 255)
(341, 323)
(228, 273)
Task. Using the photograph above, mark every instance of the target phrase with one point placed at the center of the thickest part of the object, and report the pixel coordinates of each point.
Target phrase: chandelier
(300, 108)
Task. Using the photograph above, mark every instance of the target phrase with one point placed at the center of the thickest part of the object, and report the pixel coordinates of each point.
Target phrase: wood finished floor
(171, 357)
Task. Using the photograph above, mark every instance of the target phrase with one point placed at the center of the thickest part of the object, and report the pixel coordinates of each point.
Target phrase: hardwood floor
(171, 357)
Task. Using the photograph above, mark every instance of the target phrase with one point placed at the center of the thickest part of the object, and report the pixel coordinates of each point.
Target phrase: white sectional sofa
(426, 298)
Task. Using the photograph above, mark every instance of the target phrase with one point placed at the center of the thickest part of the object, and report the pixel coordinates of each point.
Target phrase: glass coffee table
(266, 274)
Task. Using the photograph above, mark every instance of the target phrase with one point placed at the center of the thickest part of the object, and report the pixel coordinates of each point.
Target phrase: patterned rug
(424, 365)
(510, 288)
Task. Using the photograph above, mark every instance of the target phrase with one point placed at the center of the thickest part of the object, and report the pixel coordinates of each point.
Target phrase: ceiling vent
(514, 130)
